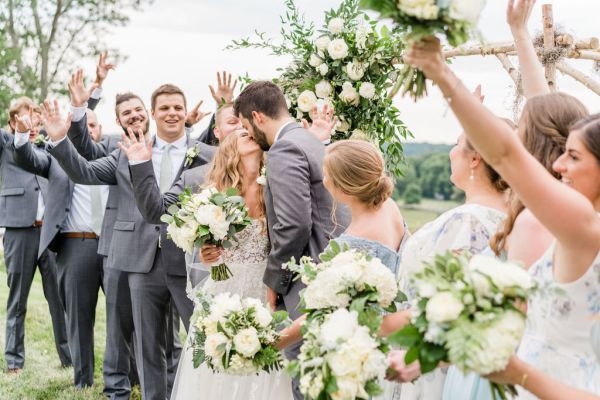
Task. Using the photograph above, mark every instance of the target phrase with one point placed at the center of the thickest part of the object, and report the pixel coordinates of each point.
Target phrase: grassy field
(418, 215)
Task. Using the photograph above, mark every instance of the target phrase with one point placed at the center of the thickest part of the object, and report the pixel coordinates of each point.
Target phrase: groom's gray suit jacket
(299, 208)
(134, 241)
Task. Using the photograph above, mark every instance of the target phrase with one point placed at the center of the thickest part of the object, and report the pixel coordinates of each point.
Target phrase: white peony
(263, 316)
(306, 100)
(246, 342)
(425, 289)
(241, 366)
(323, 69)
(504, 275)
(323, 89)
(211, 344)
(380, 277)
(342, 126)
(339, 326)
(219, 229)
(349, 94)
(361, 35)
(337, 49)
(466, 10)
(422, 9)
(183, 236)
(443, 307)
(336, 25)
(325, 291)
(315, 60)
(355, 71)
(347, 389)
(367, 90)
(223, 304)
(375, 365)
(481, 283)
(322, 43)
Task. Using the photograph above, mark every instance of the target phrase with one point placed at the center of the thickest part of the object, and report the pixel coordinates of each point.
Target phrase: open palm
(56, 126)
(135, 146)
(323, 122)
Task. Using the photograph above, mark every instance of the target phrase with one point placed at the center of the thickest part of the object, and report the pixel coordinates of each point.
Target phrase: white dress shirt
(20, 139)
(177, 155)
(79, 217)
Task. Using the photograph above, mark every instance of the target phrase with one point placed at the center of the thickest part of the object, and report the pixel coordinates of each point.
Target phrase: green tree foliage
(412, 194)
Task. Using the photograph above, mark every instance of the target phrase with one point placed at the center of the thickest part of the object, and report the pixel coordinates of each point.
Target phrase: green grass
(43, 378)
(418, 215)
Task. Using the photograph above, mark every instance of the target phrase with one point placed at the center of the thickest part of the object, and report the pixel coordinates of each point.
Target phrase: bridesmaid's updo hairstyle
(356, 168)
(590, 129)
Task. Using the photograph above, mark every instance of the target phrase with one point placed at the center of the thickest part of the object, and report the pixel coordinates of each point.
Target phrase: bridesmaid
(557, 339)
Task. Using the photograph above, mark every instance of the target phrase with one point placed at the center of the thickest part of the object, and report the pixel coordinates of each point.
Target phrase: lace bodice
(247, 260)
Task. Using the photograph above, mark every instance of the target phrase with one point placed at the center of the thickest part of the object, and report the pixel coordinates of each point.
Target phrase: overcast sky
(183, 41)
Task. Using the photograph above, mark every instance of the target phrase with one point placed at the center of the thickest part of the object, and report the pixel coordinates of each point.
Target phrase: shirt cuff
(326, 142)
(21, 138)
(136, 162)
(97, 93)
(52, 143)
(78, 112)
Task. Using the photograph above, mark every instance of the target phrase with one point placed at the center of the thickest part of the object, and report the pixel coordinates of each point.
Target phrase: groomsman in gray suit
(22, 198)
(299, 208)
(156, 267)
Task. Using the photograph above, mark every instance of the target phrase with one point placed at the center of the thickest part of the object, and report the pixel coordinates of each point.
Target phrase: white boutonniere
(262, 178)
(190, 154)
(39, 140)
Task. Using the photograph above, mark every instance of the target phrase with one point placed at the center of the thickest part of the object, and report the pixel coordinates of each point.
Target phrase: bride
(237, 163)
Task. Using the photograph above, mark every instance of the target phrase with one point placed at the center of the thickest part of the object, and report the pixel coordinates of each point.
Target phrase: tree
(412, 194)
(434, 176)
(41, 40)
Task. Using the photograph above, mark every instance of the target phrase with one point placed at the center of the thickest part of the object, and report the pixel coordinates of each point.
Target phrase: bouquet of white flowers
(236, 336)
(208, 217)
(340, 359)
(466, 313)
(455, 19)
(349, 64)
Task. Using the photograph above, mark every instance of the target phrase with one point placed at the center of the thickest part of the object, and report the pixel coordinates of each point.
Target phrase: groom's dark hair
(260, 96)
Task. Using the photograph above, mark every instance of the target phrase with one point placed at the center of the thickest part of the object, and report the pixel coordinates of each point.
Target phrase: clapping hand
(224, 92)
(79, 94)
(102, 69)
(135, 146)
(323, 122)
(56, 127)
(196, 115)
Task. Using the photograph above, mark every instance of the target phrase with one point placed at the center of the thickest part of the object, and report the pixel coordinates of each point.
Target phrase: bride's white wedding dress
(247, 261)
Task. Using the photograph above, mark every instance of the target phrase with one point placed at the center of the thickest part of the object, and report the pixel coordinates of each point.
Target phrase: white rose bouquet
(455, 19)
(467, 314)
(208, 217)
(348, 64)
(339, 359)
(236, 336)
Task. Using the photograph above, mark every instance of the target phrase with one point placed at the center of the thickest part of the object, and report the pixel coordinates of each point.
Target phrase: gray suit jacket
(134, 241)
(88, 149)
(19, 189)
(299, 208)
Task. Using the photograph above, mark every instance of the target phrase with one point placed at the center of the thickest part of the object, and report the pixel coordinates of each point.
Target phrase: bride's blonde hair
(226, 170)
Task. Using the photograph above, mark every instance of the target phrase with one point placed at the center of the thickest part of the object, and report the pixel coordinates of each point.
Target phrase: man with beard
(155, 267)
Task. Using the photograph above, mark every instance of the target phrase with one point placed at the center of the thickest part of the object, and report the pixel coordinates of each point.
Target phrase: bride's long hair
(226, 170)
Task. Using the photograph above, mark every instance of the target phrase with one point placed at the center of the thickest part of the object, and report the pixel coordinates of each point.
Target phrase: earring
(472, 176)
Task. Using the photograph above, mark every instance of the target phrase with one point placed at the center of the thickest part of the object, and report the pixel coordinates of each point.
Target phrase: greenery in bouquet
(466, 312)
(236, 336)
(207, 217)
(348, 64)
(454, 19)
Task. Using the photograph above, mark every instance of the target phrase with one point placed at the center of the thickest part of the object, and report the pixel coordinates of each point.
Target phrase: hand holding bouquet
(208, 217)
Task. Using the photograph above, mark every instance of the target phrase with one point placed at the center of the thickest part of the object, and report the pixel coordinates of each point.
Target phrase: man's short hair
(18, 105)
(167, 89)
(123, 97)
(261, 96)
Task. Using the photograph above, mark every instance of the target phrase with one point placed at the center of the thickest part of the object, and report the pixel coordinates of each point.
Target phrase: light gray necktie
(166, 170)
(97, 209)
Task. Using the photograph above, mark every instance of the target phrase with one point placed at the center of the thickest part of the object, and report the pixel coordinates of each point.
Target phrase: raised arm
(532, 71)
(31, 161)
(289, 183)
(567, 214)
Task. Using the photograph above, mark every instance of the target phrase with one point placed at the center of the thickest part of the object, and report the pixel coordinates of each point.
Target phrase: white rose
(323, 89)
(205, 214)
(219, 229)
(504, 275)
(211, 344)
(481, 283)
(323, 69)
(422, 9)
(246, 342)
(426, 289)
(349, 94)
(339, 326)
(337, 49)
(306, 101)
(263, 316)
(367, 90)
(183, 236)
(466, 10)
(342, 126)
(355, 71)
(347, 389)
(315, 60)
(325, 291)
(224, 304)
(375, 365)
(336, 25)
(443, 307)
(322, 43)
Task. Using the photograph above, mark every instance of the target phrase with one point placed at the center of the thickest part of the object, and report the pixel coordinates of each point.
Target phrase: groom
(299, 208)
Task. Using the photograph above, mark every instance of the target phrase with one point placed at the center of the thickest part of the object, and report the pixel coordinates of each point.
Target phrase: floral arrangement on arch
(349, 64)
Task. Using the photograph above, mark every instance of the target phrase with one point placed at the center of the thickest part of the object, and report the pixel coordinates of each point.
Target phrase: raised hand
(77, 90)
(102, 68)
(518, 13)
(135, 146)
(195, 115)
(224, 92)
(477, 93)
(56, 127)
(426, 55)
(24, 122)
(323, 122)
